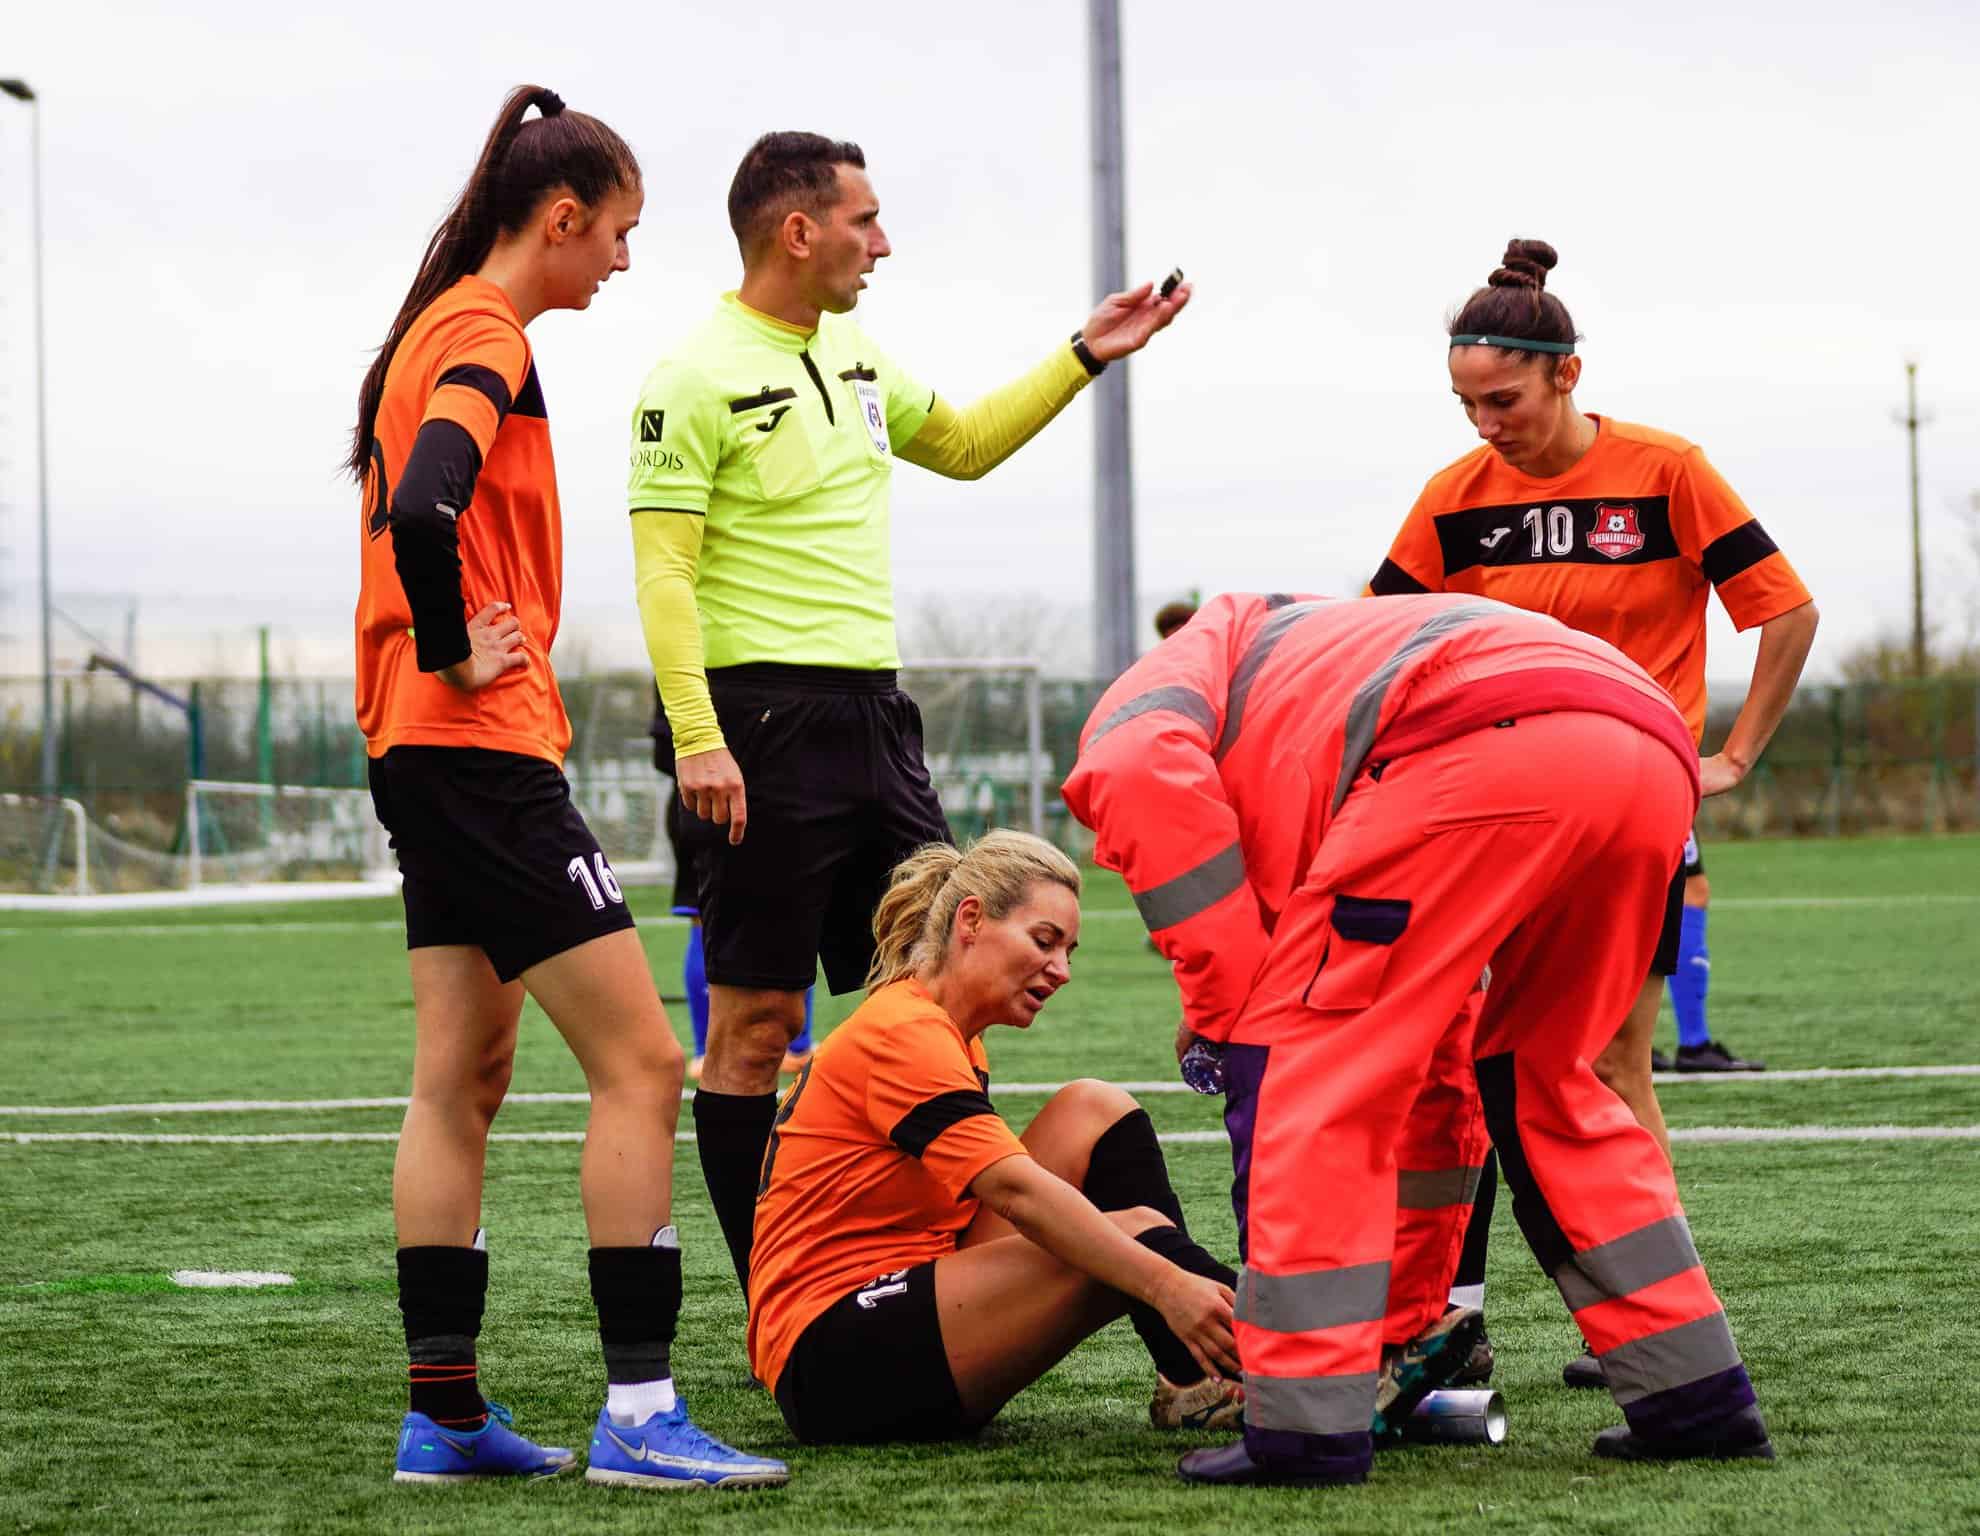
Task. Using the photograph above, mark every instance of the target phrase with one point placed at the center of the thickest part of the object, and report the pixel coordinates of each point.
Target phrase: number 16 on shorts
(602, 887)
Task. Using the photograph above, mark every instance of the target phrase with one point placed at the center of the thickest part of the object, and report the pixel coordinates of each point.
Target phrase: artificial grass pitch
(129, 1403)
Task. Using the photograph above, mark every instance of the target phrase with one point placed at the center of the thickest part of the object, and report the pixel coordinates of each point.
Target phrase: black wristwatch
(1084, 353)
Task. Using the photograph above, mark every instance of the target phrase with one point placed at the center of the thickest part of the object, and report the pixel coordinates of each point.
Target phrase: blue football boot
(668, 1451)
(431, 1453)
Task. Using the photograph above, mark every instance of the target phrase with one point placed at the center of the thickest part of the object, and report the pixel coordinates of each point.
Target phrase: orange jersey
(1622, 546)
(466, 361)
(869, 1165)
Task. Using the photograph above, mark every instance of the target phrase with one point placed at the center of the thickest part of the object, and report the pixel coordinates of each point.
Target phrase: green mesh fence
(1890, 757)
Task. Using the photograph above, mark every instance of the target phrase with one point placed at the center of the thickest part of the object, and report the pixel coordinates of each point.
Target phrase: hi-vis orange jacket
(1212, 768)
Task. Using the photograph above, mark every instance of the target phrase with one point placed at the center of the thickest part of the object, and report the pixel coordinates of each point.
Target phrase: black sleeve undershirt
(435, 489)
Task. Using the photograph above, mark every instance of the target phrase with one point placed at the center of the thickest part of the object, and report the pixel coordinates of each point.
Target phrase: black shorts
(494, 854)
(1692, 863)
(687, 862)
(871, 1368)
(837, 795)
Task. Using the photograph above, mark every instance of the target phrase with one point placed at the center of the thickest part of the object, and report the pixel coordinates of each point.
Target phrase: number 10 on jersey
(604, 887)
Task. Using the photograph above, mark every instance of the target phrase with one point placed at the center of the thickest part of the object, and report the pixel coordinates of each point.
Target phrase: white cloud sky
(1759, 215)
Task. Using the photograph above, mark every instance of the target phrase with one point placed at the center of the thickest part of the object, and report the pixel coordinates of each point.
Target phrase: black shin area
(1126, 1169)
(731, 1131)
(1478, 1231)
(1171, 1356)
(638, 1295)
(442, 1293)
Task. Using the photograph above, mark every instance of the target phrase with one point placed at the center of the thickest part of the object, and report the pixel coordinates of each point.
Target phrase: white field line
(399, 1101)
(171, 930)
(1729, 1135)
(1107, 914)
(1704, 1134)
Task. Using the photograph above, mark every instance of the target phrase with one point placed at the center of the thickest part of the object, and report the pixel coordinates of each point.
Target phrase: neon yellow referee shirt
(784, 441)
(762, 466)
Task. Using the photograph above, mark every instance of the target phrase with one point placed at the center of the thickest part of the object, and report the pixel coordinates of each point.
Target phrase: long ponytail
(911, 926)
(520, 162)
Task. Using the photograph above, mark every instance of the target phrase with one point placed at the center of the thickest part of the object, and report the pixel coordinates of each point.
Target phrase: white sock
(1468, 1295)
(634, 1402)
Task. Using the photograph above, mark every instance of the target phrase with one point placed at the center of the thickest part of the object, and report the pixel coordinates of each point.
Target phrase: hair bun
(548, 102)
(1525, 265)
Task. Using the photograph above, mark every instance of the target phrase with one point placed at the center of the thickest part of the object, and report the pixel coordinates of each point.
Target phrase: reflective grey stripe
(1193, 891)
(1174, 697)
(1270, 633)
(1433, 1190)
(1365, 713)
(1669, 1359)
(1312, 1405)
(1318, 1298)
(1627, 1264)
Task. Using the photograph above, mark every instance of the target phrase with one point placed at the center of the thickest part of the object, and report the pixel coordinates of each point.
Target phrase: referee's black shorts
(494, 855)
(1665, 962)
(837, 795)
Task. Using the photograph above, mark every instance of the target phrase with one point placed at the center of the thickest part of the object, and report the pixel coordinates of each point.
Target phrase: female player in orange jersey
(899, 1220)
(506, 891)
(1617, 530)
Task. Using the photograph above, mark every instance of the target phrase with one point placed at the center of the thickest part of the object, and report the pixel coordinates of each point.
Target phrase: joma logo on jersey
(1615, 533)
(650, 424)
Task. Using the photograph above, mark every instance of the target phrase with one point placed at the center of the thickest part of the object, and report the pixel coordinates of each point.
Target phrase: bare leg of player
(1624, 1065)
(464, 1052)
(600, 996)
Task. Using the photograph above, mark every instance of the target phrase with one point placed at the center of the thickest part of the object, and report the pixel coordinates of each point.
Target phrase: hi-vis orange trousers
(1543, 848)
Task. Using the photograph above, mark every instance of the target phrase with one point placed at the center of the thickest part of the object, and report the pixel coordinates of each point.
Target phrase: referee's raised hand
(495, 646)
(711, 786)
(1124, 322)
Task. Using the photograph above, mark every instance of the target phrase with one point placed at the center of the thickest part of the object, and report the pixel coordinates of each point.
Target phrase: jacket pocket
(1361, 937)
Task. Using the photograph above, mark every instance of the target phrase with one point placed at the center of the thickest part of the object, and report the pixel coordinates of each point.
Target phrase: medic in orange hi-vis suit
(1334, 815)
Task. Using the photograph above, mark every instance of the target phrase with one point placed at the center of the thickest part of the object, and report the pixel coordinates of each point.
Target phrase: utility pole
(1912, 422)
(1113, 468)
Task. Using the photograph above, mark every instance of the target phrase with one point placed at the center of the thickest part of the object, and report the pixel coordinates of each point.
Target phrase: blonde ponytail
(911, 925)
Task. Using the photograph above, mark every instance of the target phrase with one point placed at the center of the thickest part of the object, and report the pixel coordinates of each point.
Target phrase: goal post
(983, 738)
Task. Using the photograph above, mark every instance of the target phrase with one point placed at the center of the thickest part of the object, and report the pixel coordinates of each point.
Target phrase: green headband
(1513, 343)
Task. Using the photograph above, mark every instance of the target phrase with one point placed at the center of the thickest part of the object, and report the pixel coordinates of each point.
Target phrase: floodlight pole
(1113, 469)
(21, 91)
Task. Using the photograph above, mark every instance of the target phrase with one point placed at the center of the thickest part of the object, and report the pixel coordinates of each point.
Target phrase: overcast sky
(1760, 209)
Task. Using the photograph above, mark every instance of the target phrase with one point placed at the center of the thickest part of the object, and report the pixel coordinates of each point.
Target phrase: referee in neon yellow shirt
(762, 463)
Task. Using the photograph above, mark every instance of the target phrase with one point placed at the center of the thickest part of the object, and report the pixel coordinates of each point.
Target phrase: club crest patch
(873, 413)
(1615, 533)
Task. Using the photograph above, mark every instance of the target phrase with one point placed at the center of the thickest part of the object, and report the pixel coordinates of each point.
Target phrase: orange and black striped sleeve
(1415, 560)
(1713, 527)
(478, 364)
(925, 1095)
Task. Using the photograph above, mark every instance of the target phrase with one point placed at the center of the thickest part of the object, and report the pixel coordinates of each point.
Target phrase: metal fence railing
(1848, 759)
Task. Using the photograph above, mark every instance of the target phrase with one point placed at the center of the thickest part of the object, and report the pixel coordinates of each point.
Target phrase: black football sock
(1171, 1356)
(638, 1295)
(731, 1131)
(1468, 1287)
(442, 1292)
(1126, 1169)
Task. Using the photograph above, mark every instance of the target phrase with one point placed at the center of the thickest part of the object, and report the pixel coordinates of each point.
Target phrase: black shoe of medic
(1743, 1437)
(1584, 1370)
(1714, 1057)
(1659, 1062)
(1232, 1465)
